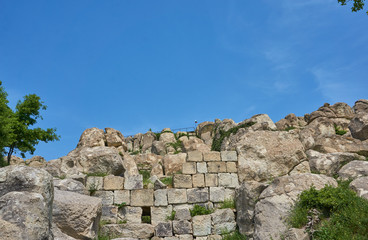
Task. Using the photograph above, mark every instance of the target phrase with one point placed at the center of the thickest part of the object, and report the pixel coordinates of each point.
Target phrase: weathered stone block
(130, 214)
(202, 167)
(171, 238)
(182, 227)
(128, 231)
(109, 213)
(133, 182)
(223, 219)
(197, 195)
(231, 167)
(160, 214)
(202, 225)
(112, 182)
(198, 180)
(121, 196)
(214, 237)
(212, 156)
(216, 167)
(95, 183)
(229, 193)
(189, 168)
(176, 196)
(182, 181)
(217, 194)
(229, 156)
(229, 180)
(161, 197)
(211, 180)
(185, 237)
(195, 156)
(163, 229)
(141, 198)
(182, 214)
(106, 196)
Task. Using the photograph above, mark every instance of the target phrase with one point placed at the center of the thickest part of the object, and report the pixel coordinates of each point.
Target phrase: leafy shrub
(339, 130)
(233, 236)
(146, 177)
(146, 219)
(167, 180)
(200, 210)
(171, 216)
(216, 144)
(122, 222)
(343, 215)
(228, 203)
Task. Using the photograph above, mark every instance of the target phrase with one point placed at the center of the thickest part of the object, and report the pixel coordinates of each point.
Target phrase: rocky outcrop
(70, 185)
(276, 201)
(98, 160)
(359, 124)
(77, 215)
(114, 138)
(261, 122)
(353, 170)
(92, 137)
(360, 186)
(174, 163)
(36, 161)
(205, 131)
(26, 196)
(338, 110)
(290, 121)
(264, 155)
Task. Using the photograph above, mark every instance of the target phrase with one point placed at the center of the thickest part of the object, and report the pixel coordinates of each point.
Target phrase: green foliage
(146, 219)
(233, 236)
(200, 210)
(344, 215)
(217, 142)
(15, 131)
(97, 174)
(357, 4)
(167, 180)
(176, 145)
(339, 130)
(103, 237)
(121, 205)
(146, 177)
(122, 222)
(228, 203)
(289, 128)
(104, 222)
(171, 216)
(136, 152)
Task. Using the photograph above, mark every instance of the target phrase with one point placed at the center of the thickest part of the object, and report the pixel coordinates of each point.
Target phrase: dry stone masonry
(222, 178)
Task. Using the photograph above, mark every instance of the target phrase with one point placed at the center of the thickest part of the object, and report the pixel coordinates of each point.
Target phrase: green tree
(6, 134)
(18, 134)
(357, 4)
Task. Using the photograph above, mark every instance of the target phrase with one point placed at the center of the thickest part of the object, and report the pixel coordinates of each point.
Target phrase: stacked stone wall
(205, 179)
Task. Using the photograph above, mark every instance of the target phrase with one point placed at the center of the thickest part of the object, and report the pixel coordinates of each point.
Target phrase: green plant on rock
(171, 217)
(176, 145)
(122, 222)
(146, 219)
(121, 205)
(228, 203)
(289, 128)
(167, 180)
(146, 177)
(217, 142)
(200, 210)
(340, 212)
(339, 130)
(226, 235)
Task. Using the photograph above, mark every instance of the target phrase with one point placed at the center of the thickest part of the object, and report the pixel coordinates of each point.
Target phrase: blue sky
(136, 65)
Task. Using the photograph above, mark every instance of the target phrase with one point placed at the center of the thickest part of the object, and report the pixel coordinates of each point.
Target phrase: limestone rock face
(77, 215)
(338, 110)
(205, 131)
(291, 121)
(320, 128)
(98, 160)
(14, 160)
(158, 148)
(92, 137)
(359, 124)
(167, 136)
(262, 122)
(64, 166)
(35, 161)
(195, 144)
(266, 154)
(328, 164)
(130, 166)
(338, 143)
(174, 163)
(70, 185)
(26, 196)
(277, 199)
(353, 170)
(26, 212)
(59, 235)
(114, 138)
(246, 198)
(360, 186)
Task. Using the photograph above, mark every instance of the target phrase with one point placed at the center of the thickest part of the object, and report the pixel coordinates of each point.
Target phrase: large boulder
(147, 160)
(98, 160)
(360, 186)
(62, 167)
(320, 128)
(114, 138)
(77, 215)
(70, 185)
(147, 140)
(261, 122)
(329, 164)
(359, 124)
(92, 137)
(167, 136)
(174, 163)
(130, 230)
(26, 212)
(338, 143)
(36, 161)
(205, 131)
(14, 160)
(264, 155)
(25, 203)
(353, 170)
(195, 144)
(276, 201)
(130, 166)
(338, 110)
(290, 121)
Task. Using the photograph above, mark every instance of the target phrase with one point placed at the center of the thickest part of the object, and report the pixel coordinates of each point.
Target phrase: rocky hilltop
(186, 185)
